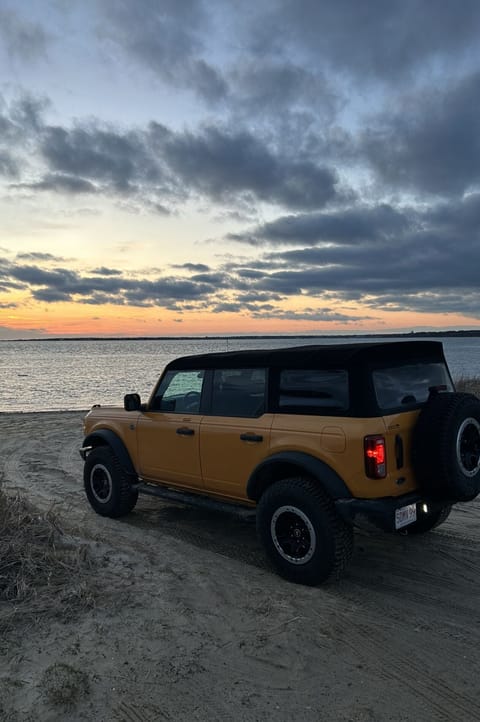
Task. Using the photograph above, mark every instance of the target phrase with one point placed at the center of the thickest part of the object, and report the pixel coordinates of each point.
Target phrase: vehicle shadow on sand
(419, 565)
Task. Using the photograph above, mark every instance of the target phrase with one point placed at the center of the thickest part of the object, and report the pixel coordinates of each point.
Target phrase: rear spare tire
(304, 537)
(446, 447)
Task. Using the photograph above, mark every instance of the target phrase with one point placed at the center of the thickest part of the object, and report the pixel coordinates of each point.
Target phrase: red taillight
(375, 457)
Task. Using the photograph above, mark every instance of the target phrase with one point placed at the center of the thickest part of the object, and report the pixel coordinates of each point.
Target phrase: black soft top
(317, 356)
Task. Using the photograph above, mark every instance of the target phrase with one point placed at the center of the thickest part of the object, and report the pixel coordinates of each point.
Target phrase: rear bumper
(380, 513)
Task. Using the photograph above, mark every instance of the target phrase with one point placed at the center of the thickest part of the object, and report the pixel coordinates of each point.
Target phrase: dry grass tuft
(468, 385)
(42, 573)
(63, 685)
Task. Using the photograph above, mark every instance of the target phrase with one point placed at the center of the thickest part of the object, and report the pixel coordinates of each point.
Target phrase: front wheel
(304, 537)
(107, 485)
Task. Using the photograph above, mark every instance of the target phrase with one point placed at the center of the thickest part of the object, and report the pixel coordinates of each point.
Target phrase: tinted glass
(312, 390)
(238, 392)
(408, 385)
(179, 391)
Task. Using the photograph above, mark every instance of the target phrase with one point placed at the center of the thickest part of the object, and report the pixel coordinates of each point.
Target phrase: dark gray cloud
(20, 120)
(102, 154)
(60, 183)
(430, 142)
(8, 165)
(221, 163)
(387, 40)
(158, 166)
(24, 40)
(193, 267)
(103, 271)
(281, 91)
(38, 256)
(371, 223)
(169, 38)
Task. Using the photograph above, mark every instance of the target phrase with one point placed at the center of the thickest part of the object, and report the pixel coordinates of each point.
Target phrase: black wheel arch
(106, 437)
(294, 463)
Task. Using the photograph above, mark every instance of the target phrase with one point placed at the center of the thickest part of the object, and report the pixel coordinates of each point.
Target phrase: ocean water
(53, 375)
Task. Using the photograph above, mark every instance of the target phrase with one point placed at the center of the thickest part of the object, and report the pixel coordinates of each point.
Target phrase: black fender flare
(291, 463)
(106, 437)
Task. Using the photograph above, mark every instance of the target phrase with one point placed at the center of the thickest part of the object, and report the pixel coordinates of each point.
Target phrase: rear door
(235, 434)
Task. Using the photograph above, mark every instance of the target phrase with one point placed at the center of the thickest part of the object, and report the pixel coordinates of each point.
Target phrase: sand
(189, 622)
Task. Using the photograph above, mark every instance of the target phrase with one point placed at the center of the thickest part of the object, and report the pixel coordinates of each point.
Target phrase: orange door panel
(168, 448)
(230, 449)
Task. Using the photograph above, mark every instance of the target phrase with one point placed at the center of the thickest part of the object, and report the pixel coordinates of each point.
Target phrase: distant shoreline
(410, 335)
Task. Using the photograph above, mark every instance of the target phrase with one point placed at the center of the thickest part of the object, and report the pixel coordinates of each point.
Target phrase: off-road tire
(427, 522)
(107, 485)
(303, 536)
(446, 447)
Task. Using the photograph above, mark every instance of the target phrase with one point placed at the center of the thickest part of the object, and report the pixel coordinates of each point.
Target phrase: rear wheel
(427, 522)
(107, 485)
(304, 537)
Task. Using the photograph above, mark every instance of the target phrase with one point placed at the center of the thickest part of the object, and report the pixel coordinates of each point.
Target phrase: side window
(238, 392)
(408, 385)
(312, 391)
(179, 392)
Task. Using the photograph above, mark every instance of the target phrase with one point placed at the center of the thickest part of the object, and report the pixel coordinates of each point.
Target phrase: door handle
(185, 432)
(251, 437)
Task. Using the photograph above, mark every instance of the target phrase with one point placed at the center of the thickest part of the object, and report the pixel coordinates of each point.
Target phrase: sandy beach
(187, 622)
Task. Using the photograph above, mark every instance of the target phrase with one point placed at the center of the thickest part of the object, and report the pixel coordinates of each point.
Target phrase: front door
(168, 433)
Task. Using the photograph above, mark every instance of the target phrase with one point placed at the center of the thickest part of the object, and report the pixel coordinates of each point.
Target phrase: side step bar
(244, 512)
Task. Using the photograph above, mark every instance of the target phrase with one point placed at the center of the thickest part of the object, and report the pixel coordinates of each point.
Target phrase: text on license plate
(405, 515)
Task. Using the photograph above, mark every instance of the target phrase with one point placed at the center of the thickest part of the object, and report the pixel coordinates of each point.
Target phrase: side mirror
(131, 402)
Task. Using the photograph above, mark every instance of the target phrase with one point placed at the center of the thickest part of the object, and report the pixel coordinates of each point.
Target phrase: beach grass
(469, 385)
(43, 572)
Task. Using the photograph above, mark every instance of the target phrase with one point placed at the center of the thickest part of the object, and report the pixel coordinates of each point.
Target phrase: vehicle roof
(311, 356)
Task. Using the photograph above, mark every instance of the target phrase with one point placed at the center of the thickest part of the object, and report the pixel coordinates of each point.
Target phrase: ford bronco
(316, 439)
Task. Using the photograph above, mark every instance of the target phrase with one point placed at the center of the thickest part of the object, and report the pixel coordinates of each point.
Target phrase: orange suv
(318, 438)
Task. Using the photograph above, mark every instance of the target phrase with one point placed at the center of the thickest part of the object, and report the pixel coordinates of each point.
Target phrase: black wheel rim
(468, 447)
(293, 535)
(101, 483)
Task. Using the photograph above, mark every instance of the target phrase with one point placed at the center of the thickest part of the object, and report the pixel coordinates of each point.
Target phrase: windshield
(409, 385)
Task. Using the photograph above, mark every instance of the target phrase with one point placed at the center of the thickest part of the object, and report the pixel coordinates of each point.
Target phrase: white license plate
(405, 515)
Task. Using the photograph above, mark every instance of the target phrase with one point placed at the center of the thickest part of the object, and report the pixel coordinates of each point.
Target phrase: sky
(184, 167)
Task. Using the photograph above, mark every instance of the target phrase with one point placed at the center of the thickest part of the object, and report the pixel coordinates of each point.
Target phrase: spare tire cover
(446, 447)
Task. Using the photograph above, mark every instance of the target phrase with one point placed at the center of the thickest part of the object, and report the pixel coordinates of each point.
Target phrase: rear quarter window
(313, 391)
(408, 385)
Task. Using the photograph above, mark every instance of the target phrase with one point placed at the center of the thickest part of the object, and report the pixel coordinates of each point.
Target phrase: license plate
(405, 515)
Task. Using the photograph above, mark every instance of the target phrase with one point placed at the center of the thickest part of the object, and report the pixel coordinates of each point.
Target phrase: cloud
(374, 40)
(280, 90)
(169, 38)
(24, 40)
(99, 154)
(219, 164)
(60, 183)
(103, 271)
(8, 165)
(38, 256)
(350, 225)
(194, 267)
(430, 142)
(157, 165)
(19, 122)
